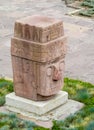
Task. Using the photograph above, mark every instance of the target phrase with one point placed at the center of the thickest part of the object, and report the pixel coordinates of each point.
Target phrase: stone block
(39, 28)
(33, 79)
(37, 51)
(22, 105)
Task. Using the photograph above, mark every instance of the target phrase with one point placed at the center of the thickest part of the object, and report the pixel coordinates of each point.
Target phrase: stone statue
(38, 50)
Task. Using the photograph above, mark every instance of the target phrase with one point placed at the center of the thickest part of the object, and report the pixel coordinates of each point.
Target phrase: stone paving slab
(45, 120)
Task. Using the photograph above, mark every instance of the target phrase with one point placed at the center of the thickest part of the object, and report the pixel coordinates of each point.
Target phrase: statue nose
(56, 74)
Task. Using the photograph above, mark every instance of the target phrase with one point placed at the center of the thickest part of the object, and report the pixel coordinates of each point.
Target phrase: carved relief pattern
(39, 34)
(38, 53)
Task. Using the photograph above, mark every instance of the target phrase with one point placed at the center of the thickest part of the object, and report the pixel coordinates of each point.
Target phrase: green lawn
(77, 90)
(88, 8)
(6, 86)
(83, 119)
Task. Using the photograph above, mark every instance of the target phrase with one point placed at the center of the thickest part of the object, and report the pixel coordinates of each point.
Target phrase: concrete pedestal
(20, 105)
(43, 112)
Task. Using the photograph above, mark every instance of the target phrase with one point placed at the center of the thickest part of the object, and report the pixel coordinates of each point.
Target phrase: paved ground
(80, 32)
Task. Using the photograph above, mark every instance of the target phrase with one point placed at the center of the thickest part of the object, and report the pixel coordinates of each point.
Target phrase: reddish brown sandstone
(38, 50)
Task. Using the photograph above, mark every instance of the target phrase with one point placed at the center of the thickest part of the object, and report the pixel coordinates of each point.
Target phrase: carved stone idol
(38, 50)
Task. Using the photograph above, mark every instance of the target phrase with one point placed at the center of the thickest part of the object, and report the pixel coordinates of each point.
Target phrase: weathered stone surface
(43, 112)
(38, 58)
(37, 51)
(35, 107)
(32, 79)
(38, 28)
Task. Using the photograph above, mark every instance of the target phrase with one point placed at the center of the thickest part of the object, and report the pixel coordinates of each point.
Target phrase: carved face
(51, 78)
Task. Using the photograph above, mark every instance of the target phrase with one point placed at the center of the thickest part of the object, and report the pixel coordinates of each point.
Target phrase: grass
(11, 122)
(77, 90)
(6, 86)
(88, 6)
(83, 119)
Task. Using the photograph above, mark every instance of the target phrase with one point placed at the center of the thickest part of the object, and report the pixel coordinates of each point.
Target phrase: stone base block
(42, 113)
(29, 107)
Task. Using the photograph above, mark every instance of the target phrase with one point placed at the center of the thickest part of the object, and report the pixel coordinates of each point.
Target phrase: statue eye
(49, 71)
(61, 66)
